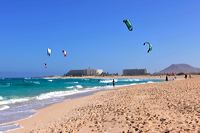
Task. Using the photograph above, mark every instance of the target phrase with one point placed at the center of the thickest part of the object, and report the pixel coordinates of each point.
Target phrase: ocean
(21, 97)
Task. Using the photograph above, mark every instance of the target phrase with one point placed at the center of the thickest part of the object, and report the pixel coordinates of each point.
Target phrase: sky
(94, 35)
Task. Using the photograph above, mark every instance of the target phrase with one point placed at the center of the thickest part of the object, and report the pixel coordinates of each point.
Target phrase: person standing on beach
(185, 76)
(113, 83)
(166, 78)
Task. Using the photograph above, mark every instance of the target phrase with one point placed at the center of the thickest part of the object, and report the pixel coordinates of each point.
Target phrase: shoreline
(69, 98)
(75, 103)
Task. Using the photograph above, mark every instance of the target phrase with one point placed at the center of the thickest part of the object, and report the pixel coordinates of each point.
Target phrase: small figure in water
(166, 78)
(113, 82)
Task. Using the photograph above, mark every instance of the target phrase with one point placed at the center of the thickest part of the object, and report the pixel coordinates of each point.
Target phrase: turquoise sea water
(20, 97)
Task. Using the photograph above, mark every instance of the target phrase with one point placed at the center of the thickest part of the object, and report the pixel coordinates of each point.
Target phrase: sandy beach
(99, 66)
(158, 107)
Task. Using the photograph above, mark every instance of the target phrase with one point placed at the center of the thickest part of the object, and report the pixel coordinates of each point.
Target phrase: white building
(99, 71)
(85, 72)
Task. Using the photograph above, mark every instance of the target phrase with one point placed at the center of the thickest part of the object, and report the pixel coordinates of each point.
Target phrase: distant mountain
(180, 68)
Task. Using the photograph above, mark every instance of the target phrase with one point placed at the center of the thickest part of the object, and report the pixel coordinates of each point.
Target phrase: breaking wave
(12, 101)
(1, 98)
(108, 80)
(60, 94)
(4, 107)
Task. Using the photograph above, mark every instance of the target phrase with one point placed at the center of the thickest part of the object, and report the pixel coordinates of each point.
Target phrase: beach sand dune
(159, 107)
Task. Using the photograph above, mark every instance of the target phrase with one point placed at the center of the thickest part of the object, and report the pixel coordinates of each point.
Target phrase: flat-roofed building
(76, 73)
(131, 72)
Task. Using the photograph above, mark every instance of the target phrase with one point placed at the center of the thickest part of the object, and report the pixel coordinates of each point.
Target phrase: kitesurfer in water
(113, 82)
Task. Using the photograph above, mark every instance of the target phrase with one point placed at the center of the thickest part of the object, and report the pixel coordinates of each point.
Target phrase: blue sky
(94, 35)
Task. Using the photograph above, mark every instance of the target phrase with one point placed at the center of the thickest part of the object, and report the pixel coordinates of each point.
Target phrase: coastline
(67, 115)
(70, 97)
(43, 116)
(75, 97)
(32, 104)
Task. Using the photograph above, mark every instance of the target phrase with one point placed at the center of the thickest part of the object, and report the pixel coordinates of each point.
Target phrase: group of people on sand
(185, 76)
(167, 76)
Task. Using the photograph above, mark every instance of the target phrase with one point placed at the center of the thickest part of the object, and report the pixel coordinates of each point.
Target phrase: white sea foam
(136, 79)
(108, 80)
(4, 107)
(10, 127)
(133, 84)
(76, 82)
(150, 82)
(32, 82)
(79, 86)
(60, 94)
(50, 80)
(12, 101)
(36, 82)
(1, 98)
(27, 78)
(76, 87)
(70, 87)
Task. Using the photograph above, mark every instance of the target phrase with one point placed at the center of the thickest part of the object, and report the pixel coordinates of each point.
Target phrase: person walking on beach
(113, 83)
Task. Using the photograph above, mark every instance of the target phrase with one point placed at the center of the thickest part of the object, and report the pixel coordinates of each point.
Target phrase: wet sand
(158, 107)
